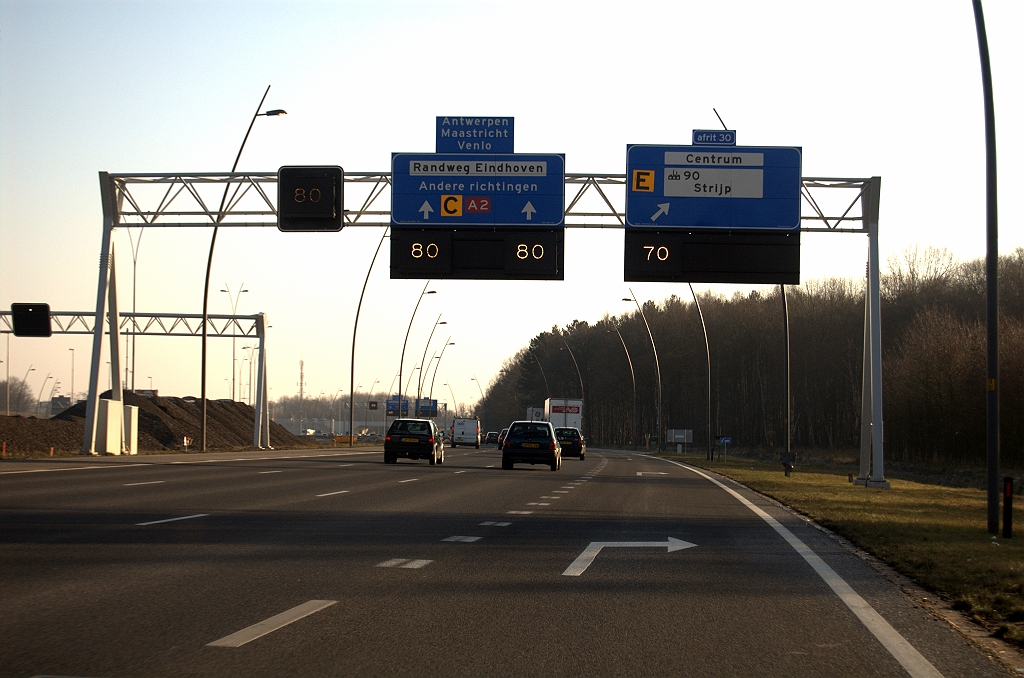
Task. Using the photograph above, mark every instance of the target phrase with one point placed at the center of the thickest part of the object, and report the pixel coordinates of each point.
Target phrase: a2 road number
(524, 251)
(419, 250)
(660, 252)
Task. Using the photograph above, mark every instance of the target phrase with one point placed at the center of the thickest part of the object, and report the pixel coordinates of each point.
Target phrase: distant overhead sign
(481, 134)
(447, 189)
(713, 187)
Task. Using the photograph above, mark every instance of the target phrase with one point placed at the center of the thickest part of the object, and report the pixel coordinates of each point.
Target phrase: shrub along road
(331, 563)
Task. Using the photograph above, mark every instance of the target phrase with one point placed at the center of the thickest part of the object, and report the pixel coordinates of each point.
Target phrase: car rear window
(529, 431)
(411, 427)
(567, 434)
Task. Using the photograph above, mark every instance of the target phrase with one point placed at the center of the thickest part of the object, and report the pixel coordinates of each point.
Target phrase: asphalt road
(332, 563)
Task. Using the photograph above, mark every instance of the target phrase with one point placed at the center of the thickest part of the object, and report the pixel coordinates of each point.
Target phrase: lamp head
(275, 112)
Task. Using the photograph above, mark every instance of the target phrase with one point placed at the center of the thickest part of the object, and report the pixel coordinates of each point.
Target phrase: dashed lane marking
(265, 472)
(405, 563)
(495, 524)
(520, 513)
(329, 494)
(266, 626)
(171, 520)
(410, 480)
(463, 539)
(538, 503)
(151, 482)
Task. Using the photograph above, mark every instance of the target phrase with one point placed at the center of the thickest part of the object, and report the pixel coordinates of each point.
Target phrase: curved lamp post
(578, 373)
(448, 343)
(209, 260)
(423, 372)
(455, 404)
(473, 378)
(234, 311)
(657, 365)
(536, 359)
(707, 347)
(355, 328)
(632, 374)
(401, 364)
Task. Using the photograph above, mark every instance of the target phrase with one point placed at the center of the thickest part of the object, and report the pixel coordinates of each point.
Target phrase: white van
(466, 432)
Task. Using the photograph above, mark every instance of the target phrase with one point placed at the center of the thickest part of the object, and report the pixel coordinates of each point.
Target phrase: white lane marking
(394, 562)
(463, 539)
(171, 520)
(72, 468)
(266, 626)
(561, 491)
(520, 513)
(151, 482)
(538, 503)
(487, 522)
(491, 466)
(905, 653)
(330, 494)
(502, 524)
(410, 480)
(416, 564)
(583, 560)
(458, 472)
(343, 465)
(265, 472)
(651, 473)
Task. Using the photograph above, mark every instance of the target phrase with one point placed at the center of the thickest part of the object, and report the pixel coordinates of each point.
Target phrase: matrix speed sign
(310, 198)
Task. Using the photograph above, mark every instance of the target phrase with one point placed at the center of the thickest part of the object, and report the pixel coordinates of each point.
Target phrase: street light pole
(72, 376)
(447, 343)
(234, 311)
(632, 374)
(455, 404)
(355, 328)
(536, 359)
(423, 372)
(401, 364)
(209, 262)
(657, 365)
(478, 386)
(707, 347)
(578, 373)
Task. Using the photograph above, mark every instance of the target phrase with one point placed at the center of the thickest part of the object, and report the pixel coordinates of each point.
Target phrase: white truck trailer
(564, 412)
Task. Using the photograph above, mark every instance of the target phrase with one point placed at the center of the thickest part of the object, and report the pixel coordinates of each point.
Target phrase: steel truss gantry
(188, 200)
(150, 324)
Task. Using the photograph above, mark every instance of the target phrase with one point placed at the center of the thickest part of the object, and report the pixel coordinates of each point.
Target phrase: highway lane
(456, 569)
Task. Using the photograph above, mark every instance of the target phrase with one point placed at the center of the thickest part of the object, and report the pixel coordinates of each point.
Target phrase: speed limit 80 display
(477, 254)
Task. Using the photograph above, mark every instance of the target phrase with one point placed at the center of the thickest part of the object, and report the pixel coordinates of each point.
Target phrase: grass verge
(934, 535)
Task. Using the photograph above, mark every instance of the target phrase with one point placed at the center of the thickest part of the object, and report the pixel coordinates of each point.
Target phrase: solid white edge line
(901, 650)
(171, 520)
(73, 468)
(266, 626)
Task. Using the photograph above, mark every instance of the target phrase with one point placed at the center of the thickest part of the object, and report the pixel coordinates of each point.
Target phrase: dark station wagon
(531, 442)
(414, 439)
(573, 444)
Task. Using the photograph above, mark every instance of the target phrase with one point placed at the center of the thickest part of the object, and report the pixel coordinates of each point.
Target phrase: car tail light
(506, 445)
(387, 439)
(430, 441)
(551, 445)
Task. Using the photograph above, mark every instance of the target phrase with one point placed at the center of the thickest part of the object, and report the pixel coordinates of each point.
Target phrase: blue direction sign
(449, 189)
(717, 187)
(481, 134)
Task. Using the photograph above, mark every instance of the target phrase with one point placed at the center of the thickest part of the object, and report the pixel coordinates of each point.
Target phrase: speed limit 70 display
(468, 254)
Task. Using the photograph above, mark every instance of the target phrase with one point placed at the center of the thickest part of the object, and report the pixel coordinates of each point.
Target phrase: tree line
(933, 355)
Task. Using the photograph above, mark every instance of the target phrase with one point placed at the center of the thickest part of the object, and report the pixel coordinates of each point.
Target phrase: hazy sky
(865, 88)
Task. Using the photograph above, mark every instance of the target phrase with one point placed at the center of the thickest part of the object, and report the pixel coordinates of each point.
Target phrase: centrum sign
(447, 189)
(461, 134)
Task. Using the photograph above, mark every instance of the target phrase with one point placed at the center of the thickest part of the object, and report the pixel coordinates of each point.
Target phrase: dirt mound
(163, 425)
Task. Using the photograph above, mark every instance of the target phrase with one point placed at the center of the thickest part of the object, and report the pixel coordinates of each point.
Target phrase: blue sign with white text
(714, 137)
(715, 187)
(448, 189)
(459, 134)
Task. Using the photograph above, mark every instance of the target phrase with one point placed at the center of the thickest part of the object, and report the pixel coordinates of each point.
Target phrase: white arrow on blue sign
(455, 189)
(741, 187)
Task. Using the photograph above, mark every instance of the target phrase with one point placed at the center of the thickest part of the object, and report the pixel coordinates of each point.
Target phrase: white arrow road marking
(529, 209)
(663, 210)
(426, 209)
(272, 624)
(583, 561)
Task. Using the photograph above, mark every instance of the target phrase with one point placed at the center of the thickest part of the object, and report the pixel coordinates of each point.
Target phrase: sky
(889, 89)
